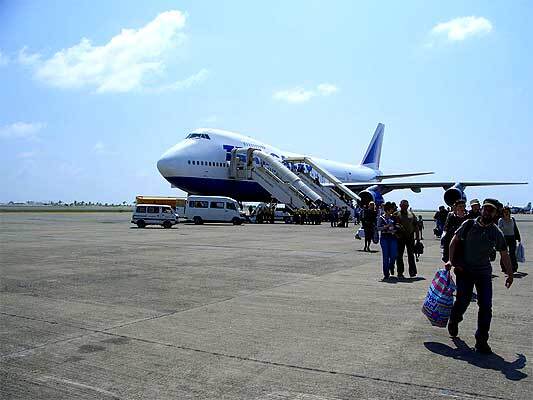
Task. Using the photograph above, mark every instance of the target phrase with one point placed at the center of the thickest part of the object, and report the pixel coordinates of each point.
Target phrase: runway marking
(47, 378)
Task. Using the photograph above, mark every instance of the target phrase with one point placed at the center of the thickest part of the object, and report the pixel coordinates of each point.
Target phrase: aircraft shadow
(493, 361)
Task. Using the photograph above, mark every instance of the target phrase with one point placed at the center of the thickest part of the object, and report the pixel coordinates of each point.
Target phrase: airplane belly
(238, 190)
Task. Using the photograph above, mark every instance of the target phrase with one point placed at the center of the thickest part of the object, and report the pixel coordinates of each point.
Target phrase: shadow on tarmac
(520, 275)
(493, 361)
(394, 280)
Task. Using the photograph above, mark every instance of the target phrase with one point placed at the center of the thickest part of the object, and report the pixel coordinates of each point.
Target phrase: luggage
(438, 303)
(520, 253)
(419, 248)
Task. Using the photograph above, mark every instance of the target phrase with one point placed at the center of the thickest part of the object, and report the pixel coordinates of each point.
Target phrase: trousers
(408, 243)
(389, 248)
(466, 281)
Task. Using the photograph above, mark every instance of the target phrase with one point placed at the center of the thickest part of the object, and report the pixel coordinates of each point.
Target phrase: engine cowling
(456, 192)
(369, 195)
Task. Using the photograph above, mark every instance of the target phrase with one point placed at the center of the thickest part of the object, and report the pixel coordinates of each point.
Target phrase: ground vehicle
(154, 214)
(200, 209)
(177, 203)
(281, 213)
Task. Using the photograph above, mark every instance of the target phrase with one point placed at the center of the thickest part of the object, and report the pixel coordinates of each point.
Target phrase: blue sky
(93, 92)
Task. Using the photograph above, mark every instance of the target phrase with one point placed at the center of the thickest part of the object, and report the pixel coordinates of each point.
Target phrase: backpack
(459, 254)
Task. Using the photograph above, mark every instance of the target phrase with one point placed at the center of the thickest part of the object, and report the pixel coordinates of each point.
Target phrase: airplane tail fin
(373, 153)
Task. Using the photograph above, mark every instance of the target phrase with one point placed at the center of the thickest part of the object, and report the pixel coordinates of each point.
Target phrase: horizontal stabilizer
(392, 176)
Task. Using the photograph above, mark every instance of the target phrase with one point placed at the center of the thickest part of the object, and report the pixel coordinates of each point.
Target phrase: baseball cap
(491, 202)
(474, 202)
(458, 202)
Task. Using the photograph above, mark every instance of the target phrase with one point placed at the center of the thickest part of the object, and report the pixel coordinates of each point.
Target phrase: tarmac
(92, 307)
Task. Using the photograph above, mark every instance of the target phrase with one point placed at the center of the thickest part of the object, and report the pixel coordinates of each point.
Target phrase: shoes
(483, 347)
(453, 328)
(401, 276)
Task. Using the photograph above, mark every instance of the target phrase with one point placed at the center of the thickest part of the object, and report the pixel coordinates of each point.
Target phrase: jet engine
(371, 194)
(456, 192)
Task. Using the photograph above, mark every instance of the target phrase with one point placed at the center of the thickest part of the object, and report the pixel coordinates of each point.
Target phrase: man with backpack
(470, 250)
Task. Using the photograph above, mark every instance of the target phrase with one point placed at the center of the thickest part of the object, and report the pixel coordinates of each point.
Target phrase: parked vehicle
(281, 213)
(177, 203)
(154, 214)
(200, 209)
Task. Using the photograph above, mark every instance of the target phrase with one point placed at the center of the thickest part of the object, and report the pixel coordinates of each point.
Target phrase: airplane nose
(165, 166)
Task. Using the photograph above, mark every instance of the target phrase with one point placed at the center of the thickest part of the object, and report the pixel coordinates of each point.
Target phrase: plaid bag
(439, 299)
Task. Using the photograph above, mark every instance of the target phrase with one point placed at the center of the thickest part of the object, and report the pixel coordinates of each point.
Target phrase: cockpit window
(198, 136)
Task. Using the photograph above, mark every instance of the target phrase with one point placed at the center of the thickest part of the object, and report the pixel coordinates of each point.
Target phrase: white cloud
(21, 130)
(462, 28)
(327, 89)
(28, 59)
(301, 95)
(295, 95)
(131, 60)
(4, 60)
(192, 80)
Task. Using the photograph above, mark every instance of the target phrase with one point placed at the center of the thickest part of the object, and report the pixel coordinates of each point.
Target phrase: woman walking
(507, 224)
(369, 224)
(387, 225)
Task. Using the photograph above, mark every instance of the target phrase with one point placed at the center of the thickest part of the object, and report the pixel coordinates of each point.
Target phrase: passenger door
(217, 210)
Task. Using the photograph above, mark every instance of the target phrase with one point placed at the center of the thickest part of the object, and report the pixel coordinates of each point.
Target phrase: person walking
(469, 256)
(407, 232)
(440, 219)
(421, 226)
(389, 242)
(507, 224)
(453, 222)
(475, 209)
(369, 224)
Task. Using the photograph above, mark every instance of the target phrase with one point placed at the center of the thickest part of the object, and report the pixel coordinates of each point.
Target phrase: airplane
(199, 165)
(522, 210)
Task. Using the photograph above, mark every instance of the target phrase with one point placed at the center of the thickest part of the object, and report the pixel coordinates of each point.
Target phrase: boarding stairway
(336, 193)
(254, 165)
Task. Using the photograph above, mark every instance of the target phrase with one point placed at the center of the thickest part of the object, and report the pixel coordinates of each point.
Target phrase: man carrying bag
(470, 249)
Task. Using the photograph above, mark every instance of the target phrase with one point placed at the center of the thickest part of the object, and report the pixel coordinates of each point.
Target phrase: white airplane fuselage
(199, 165)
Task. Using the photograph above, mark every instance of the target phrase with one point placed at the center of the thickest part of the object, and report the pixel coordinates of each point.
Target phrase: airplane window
(210, 164)
(201, 163)
(189, 162)
(198, 136)
(194, 163)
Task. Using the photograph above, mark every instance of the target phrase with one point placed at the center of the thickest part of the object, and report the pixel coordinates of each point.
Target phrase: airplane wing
(392, 176)
(416, 186)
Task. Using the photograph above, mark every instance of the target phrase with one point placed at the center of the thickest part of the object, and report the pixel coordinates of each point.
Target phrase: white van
(200, 209)
(154, 214)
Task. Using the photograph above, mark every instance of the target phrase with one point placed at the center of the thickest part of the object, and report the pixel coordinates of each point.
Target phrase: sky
(93, 92)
